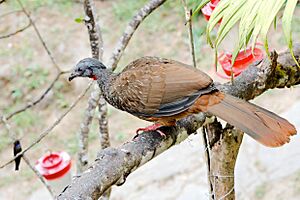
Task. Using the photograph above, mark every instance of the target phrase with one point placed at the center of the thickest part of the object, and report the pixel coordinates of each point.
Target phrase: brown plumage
(164, 91)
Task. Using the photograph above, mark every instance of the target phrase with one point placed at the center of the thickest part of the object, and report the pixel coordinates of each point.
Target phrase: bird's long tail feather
(262, 125)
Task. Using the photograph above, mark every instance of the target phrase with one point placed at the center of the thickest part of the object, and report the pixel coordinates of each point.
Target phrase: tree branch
(130, 29)
(39, 99)
(39, 35)
(50, 128)
(93, 27)
(221, 157)
(13, 137)
(188, 18)
(96, 98)
(17, 31)
(113, 165)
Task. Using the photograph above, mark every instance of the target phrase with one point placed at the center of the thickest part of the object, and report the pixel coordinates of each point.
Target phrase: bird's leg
(153, 127)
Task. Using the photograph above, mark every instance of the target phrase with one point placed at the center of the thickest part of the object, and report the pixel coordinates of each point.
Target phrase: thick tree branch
(221, 155)
(113, 165)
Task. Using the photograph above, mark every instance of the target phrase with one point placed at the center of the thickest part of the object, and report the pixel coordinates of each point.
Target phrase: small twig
(31, 104)
(13, 136)
(39, 35)
(130, 30)
(50, 128)
(10, 12)
(188, 14)
(16, 32)
(38, 174)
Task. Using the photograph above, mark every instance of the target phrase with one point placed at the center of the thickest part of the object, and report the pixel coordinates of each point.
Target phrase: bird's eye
(79, 69)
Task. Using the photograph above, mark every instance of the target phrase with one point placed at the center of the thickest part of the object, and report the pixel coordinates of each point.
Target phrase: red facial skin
(93, 77)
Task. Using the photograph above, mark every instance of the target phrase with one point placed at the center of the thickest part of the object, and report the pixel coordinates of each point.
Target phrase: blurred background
(180, 173)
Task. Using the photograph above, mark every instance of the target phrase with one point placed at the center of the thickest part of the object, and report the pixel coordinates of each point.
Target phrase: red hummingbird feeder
(242, 61)
(208, 8)
(244, 57)
(56, 169)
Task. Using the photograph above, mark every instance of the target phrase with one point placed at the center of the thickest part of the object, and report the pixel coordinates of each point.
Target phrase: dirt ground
(26, 71)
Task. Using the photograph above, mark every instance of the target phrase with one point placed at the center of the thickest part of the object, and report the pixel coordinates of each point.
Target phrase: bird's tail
(264, 126)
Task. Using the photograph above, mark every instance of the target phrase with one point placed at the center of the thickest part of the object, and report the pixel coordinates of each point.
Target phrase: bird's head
(88, 67)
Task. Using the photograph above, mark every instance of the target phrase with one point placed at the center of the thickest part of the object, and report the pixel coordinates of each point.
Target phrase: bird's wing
(157, 87)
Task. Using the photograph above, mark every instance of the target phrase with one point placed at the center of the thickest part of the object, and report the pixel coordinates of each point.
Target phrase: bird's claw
(153, 127)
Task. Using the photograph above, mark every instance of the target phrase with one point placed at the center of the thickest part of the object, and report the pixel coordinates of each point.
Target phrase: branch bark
(113, 165)
(221, 154)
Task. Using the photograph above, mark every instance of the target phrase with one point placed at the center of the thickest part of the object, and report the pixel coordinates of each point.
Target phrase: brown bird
(164, 91)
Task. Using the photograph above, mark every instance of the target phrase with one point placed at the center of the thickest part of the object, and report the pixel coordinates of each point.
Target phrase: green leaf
(200, 6)
(262, 13)
(79, 20)
(247, 22)
(231, 16)
(215, 17)
(239, 46)
(255, 16)
(270, 16)
(287, 25)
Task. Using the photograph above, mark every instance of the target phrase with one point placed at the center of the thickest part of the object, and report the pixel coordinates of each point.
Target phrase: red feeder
(55, 167)
(243, 60)
(208, 8)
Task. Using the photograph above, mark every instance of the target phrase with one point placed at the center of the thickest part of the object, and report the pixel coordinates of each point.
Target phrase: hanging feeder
(55, 168)
(208, 8)
(243, 60)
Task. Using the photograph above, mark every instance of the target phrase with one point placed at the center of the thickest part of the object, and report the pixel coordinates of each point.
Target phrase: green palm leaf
(255, 18)
(287, 23)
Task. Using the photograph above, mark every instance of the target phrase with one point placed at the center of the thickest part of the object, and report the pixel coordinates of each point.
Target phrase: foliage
(255, 18)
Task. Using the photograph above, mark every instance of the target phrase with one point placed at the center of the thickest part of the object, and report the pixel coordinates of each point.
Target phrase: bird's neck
(105, 78)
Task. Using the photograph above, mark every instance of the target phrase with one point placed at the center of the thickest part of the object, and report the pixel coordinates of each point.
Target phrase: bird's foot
(153, 127)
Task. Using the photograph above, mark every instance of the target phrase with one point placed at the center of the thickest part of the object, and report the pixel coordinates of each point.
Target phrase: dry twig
(39, 35)
(27, 161)
(130, 30)
(188, 15)
(16, 32)
(50, 128)
(39, 99)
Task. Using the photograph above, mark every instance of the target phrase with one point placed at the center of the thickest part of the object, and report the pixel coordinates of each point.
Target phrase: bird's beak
(73, 75)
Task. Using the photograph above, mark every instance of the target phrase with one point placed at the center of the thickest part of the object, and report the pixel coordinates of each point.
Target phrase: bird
(17, 149)
(164, 91)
